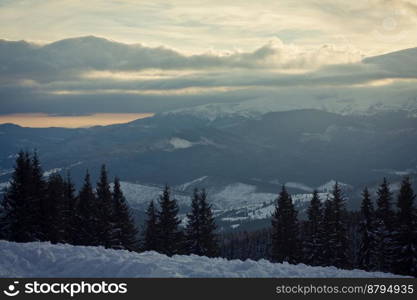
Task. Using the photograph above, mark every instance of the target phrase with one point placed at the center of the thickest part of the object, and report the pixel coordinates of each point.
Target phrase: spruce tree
(326, 231)
(69, 209)
(105, 227)
(170, 237)
(406, 231)
(285, 244)
(209, 242)
(125, 230)
(338, 237)
(53, 208)
(22, 201)
(86, 216)
(193, 230)
(37, 198)
(151, 233)
(367, 256)
(313, 244)
(384, 226)
(14, 219)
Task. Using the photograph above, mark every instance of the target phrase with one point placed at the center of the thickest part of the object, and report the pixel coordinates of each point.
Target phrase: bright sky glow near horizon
(41, 120)
(78, 57)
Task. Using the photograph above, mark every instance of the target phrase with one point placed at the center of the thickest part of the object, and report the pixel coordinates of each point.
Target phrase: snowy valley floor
(47, 260)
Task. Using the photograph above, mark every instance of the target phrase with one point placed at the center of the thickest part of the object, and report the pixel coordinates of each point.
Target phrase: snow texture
(179, 143)
(46, 260)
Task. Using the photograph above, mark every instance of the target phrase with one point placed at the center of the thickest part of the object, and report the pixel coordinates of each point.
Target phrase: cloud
(68, 58)
(95, 72)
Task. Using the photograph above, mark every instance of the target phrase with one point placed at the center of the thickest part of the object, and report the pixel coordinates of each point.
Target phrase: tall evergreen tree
(18, 214)
(53, 207)
(22, 201)
(151, 233)
(384, 226)
(209, 241)
(406, 231)
(37, 198)
(338, 237)
(285, 244)
(86, 215)
(69, 209)
(125, 230)
(105, 226)
(170, 237)
(313, 244)
(193, 230)
(367, 256)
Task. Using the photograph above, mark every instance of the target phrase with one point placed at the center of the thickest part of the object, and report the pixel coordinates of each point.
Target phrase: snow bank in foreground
(47, 260)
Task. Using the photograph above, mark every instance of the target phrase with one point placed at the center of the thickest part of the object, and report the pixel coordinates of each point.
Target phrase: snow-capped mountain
(241, 161)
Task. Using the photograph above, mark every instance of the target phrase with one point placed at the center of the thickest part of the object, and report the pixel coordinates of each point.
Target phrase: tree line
(35, 208)
(163, 233)
(379, 237)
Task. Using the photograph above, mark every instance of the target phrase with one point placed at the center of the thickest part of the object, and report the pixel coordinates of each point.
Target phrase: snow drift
(46, 260)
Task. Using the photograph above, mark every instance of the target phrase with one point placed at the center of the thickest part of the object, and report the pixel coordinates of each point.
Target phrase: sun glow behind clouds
(41, 120)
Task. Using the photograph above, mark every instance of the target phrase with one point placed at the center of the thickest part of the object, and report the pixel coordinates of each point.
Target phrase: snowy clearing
(46, 260)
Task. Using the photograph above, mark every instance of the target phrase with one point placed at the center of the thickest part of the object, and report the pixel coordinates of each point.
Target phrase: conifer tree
(384, 226)
(313, 244)
(367, 256)
(18, 215)
(105, 226)
(406, 231)
(36, 199)
(193, 230)
(69, 209)
(338, 237)
(170, 237)
(53, 204)
(285, 244)
(22, 201)
(86, 215)
(125, 230)
(151, 233)
(326, 230)
(209, 242)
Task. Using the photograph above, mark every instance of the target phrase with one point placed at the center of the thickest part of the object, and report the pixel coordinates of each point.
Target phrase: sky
(151, 56)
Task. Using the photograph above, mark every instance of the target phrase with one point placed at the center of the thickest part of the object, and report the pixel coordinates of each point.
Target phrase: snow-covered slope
(47, 260)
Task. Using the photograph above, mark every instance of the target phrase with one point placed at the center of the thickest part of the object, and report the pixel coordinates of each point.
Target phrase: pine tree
(313, 247)
(170, 237)
(105, 226)
(209, 244)
(17, 216)
(193, 230)
(53, 204)
(367, 255)
(86, 216)
(285, 244)
(37, 198)
(326, 231)
(21, 220)
(69, 208)
(338, 237)
(406, 231)
(384, 226)
(151, 233)
(125, 230)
